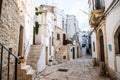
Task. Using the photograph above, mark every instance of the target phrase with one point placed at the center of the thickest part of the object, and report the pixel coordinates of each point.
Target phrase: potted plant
(21, 59)
(50, 60)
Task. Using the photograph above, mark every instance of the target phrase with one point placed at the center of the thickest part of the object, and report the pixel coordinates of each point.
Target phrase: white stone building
(105, 19)
(71, 30)
(16, 17)
(113, 37)
(29, 24)
(71, 23)
(43, 37)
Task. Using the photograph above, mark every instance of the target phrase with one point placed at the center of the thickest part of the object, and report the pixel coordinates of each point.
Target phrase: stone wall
(10, 22)
(58, 43)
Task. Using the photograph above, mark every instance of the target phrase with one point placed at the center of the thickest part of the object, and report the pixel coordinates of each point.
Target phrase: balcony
(97, 12)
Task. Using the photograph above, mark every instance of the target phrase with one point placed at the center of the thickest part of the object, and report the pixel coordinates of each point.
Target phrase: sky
(71, 7)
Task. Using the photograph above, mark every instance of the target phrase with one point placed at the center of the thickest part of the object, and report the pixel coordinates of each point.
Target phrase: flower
(21, 59)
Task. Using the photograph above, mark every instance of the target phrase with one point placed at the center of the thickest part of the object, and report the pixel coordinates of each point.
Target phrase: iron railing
(8, 64)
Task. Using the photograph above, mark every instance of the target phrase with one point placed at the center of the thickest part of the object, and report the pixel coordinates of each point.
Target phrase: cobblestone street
(78, 69)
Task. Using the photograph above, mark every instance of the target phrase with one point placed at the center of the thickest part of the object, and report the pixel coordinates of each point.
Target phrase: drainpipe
(110, 8)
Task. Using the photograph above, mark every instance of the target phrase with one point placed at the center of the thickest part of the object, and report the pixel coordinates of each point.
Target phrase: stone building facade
(72, 34)
(15, 18)
(11, 29)
(10, 24)
(113, 37)
(105, 21)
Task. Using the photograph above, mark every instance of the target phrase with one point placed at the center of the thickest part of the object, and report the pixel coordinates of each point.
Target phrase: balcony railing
(97, 12)
(8, 64)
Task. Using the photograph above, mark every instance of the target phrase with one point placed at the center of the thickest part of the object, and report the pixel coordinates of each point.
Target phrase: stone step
(35, 52)
(29, 70)
(32, 62)
(34, 55)
(33, 65)
(22, 73)
(36, 46)
(26, 67)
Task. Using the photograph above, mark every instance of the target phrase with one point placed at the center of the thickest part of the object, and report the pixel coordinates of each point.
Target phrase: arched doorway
(73, 52)
(117, 51)
(117, 41)
(101, 41)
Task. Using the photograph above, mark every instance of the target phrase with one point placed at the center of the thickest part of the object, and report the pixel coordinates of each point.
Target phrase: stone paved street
(78, 69)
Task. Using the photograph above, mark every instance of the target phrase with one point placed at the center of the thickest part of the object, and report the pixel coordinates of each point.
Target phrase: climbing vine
(69, 41)
(36, 27)
(37, 12)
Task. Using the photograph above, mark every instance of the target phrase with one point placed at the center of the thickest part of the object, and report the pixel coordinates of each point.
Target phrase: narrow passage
(78, 69)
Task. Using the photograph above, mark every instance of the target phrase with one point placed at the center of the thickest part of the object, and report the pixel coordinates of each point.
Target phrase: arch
(117, 47)
(117, 41)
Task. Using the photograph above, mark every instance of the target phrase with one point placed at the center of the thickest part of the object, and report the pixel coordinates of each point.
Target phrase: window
(64, 57)
(52, 39)
(94, 46)
(63, 23)
(58, 36)
(0, 6)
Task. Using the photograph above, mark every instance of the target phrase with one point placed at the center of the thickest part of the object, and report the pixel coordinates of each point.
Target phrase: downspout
(110, 8)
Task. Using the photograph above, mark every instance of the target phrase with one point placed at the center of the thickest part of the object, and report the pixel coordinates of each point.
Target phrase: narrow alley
(78, 69)
(59, 39)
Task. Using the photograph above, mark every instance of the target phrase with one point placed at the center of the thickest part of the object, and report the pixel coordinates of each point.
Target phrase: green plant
(36, 27)
(37, 12)
(50, 60)
(69, 42)
(36, 8)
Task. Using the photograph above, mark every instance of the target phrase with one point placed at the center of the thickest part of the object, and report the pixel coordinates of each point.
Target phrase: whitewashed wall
(51, 28)
(70, 26)
(59, 17)
(29, 23)
(93, 39)
(42, 60)
(107, 3)
(112, 23)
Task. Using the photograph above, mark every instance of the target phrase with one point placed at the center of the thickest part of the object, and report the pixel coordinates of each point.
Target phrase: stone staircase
(34, 55)
(25, 73)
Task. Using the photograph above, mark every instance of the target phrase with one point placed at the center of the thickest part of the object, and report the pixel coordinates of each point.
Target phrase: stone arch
(100, 46)
(117, 41)
(117, 48)
(101, 42)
